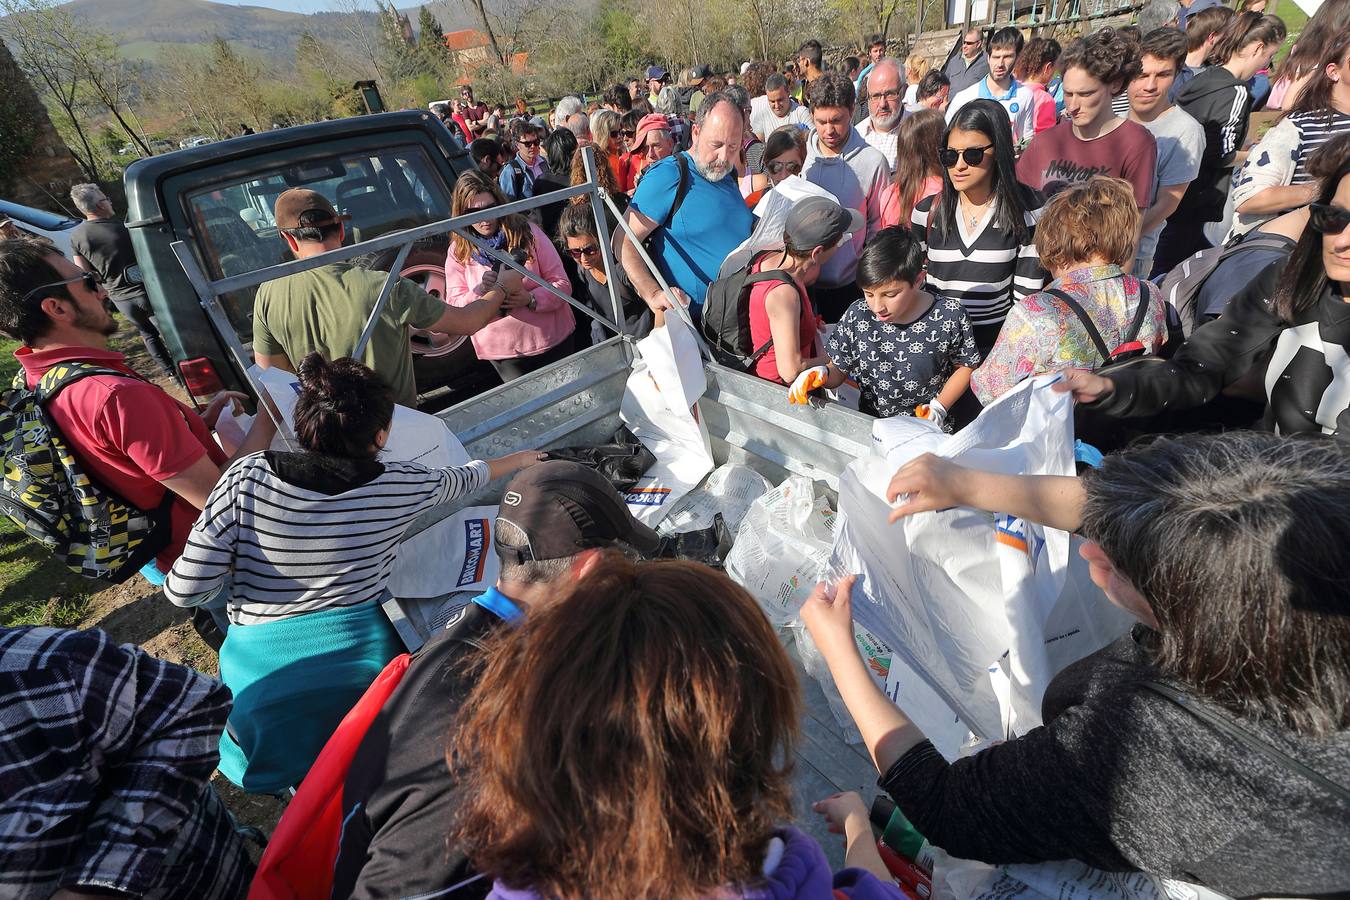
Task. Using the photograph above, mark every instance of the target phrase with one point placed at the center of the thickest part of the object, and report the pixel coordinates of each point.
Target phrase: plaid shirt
(105, 752)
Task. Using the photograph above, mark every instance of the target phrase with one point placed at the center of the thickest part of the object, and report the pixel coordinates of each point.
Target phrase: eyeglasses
(885, 95)
(91, 284)
(972, 155)
(1325, 218)
(579, 252)
(474, 209)
(775, 167)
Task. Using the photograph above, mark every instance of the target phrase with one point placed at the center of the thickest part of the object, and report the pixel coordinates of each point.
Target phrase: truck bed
(576, 402)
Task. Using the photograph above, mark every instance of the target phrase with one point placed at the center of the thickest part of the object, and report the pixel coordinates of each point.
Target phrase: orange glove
(808, 381)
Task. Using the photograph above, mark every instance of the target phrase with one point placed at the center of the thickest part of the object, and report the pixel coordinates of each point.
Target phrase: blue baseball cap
(658, 73)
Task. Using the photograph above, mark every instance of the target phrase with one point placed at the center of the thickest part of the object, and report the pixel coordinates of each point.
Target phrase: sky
(299, 6)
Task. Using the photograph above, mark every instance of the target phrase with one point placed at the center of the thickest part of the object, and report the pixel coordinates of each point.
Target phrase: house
(472, 49)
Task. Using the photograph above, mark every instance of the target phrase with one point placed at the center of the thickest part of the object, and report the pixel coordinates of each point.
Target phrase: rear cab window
(385, 189)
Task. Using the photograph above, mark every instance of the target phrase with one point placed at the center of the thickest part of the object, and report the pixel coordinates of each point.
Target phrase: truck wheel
(424, 266)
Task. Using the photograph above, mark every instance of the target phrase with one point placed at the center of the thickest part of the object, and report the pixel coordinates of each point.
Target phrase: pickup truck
(389, 172)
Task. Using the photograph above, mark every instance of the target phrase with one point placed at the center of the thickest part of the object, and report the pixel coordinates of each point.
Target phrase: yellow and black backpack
(47, 493)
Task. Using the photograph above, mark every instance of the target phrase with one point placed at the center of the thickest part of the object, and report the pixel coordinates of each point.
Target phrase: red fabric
(298, 862)
(895, 213)
(127, 433)
(1057, 158)
(458, 119)
(625, 167)
(767, 366)
(1044, 115)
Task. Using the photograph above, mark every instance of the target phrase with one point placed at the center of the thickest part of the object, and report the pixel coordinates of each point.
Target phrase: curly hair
(667, 769)
(831, 90)
(1106, 55)
(1097, 218)
(1038, 53)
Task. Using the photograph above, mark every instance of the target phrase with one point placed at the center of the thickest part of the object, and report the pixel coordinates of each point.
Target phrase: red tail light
(201, 379)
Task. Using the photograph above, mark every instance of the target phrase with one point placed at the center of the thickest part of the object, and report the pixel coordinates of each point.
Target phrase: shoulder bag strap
(1140, 313)
(779, 276)
(1234, 732)
(1085, 319)
(681, 189)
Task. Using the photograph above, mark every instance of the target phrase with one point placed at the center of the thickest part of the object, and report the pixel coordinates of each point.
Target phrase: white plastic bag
(782, 546)
(660, 407)
(771, 215)
(953, 591)
(729, 490)
(963, 879)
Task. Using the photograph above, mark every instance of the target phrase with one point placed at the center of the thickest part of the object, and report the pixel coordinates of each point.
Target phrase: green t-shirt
(695, 101)
(325, 309)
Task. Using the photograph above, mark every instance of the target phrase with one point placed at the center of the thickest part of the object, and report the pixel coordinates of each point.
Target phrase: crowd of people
(600, 724)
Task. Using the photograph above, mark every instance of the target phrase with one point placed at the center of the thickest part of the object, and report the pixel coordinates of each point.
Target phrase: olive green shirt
(324, 310)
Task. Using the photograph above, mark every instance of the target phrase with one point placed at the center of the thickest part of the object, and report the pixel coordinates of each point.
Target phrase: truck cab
(389, 172)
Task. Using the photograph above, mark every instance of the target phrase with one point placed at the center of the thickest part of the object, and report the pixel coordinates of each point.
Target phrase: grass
(36, 589)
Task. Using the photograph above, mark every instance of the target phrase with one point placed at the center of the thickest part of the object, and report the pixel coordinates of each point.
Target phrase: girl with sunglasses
(979, 232)
(1293, 319)
(536, 327)
(577, 234)
(918, 174)
(784, 155)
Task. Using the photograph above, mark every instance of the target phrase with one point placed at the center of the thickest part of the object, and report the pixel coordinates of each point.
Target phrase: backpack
(726, 316)
(1181, 287)
(1130, 347)
(47, 493)
(517, 179)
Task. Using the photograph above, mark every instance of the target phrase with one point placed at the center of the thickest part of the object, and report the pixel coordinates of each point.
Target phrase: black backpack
(1130, 347)
(726, 316)
(1181, 287)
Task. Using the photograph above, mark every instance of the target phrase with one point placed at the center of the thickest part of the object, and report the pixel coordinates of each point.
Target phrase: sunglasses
(533, 143)
(474, 209)
(972, 155)
(91, 284)
(579, 252)
(970, 43)
(627, 134)
(1324, 218)
(792, 168)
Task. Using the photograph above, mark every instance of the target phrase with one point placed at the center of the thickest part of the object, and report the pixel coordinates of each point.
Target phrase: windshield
(383, 191)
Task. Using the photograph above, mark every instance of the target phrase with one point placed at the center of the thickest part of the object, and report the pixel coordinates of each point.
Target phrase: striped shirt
(986, 269)
(1315, 129)
(280, 549)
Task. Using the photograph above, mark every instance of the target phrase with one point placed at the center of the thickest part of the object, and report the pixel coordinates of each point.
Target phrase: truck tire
(439, 361)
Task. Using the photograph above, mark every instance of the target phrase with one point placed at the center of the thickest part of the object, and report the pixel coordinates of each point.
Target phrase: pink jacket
(522, 332)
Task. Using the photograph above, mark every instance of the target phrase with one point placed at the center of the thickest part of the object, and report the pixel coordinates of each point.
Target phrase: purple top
(797, 868)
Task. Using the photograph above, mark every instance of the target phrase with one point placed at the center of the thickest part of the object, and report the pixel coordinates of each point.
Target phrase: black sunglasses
(91, 284)
(972, 155)
(627, 134)
(1324, 218)
(775, 167)
(579, 252)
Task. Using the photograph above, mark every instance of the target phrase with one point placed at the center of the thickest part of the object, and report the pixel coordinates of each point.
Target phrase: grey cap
(819, 222)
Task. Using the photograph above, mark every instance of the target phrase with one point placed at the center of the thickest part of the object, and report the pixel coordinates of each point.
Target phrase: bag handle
(1234, 732)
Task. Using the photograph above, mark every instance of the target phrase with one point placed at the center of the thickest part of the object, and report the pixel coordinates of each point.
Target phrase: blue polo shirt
(711, 222)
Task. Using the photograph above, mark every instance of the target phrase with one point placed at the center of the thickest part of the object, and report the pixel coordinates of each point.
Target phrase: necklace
(975, 213)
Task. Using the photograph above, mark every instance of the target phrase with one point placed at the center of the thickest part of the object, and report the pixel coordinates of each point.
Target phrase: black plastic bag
(708, 545)
(622, 462)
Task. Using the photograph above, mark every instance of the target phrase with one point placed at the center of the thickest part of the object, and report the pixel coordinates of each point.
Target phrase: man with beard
(885, 96)
(688, 212)
(127, 434)
(855, 173)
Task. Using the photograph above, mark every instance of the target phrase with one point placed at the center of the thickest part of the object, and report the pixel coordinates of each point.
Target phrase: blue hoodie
(795, 869)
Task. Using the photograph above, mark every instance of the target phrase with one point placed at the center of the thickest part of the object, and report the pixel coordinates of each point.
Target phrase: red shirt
(127, 433)
(1057, 158)
(767, 366)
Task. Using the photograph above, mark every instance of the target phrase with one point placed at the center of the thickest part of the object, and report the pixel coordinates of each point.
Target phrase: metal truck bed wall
(576, 402)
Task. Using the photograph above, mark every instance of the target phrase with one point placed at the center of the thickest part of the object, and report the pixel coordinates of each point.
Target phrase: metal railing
(209, 292)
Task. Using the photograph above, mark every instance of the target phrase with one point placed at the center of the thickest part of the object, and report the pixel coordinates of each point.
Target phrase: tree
(479, 8)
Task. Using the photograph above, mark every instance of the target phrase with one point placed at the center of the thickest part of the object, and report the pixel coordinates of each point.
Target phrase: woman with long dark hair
(634, 738)
(1207, 742)
(537, 327)
(302, 546)
(1293, 319)
(918, 173)
(979, 232)
(1276, 177)
(1331, 19)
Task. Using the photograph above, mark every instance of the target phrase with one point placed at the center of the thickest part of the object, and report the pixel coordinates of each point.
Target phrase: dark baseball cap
(819, 222)
(564, 508)
(303, 208)
(657, 73)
